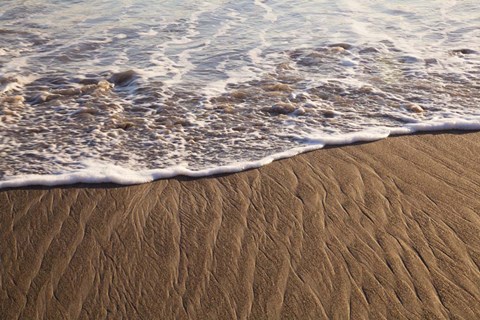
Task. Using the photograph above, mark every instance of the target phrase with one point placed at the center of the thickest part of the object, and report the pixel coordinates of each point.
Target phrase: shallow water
(130, 91)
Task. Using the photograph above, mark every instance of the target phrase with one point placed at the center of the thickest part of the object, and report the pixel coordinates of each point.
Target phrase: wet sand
(389, 229)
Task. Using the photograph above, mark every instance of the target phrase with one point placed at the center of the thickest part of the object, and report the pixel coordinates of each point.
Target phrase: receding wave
(209, 93)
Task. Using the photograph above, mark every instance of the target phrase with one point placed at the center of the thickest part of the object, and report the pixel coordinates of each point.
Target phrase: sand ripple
(382, 230)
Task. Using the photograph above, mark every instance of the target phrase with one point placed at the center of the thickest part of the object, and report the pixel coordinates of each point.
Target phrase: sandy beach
(389, 229)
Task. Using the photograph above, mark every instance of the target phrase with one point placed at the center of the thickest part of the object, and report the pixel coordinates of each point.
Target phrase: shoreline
(389, 228)
(106, 174)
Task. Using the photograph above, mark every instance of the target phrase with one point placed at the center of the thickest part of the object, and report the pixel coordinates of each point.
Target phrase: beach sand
(389, 229)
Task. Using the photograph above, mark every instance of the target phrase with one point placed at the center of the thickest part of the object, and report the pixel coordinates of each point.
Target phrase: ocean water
(129, 91)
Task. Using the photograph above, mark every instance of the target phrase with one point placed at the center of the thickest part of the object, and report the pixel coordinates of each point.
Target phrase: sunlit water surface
(130, 91)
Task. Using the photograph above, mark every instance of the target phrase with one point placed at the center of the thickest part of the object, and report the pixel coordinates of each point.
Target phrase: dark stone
(430, 61)
(123, 79)
(369, 50)
(464, 51)
(345, 46)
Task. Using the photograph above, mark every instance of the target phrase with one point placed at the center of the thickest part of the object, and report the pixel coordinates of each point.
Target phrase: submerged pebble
(277, 87)
(239, 95)
(464, 51)
(282, 108)
(299, 97)
(123, 79)
(124, 125)
(369, 50)
(414, 108)
(431, 61)
(345, 46)
(12, 99)
(328, 113)
(299, 111)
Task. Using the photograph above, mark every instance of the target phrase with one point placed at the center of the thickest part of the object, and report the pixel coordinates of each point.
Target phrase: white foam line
(164, 64)
(269, 15)
(99, 172)
(184, 57)
(244, 73)
(149, 33)
(227, 26)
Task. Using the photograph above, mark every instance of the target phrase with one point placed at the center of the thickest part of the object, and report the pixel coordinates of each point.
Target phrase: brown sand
(389, 229)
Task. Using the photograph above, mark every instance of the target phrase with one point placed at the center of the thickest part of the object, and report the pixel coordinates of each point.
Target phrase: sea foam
(104, 172)
(130, 93)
